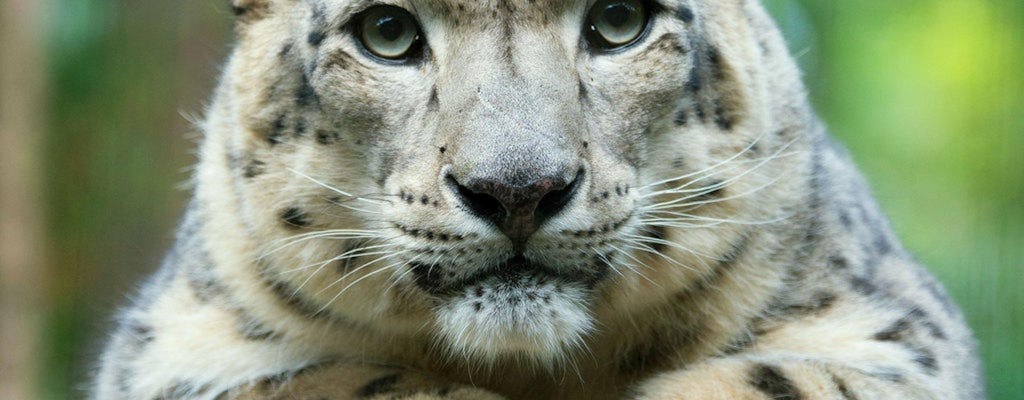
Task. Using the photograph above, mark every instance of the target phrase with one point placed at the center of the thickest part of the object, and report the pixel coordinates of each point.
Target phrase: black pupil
(390, 28)
(617, 14)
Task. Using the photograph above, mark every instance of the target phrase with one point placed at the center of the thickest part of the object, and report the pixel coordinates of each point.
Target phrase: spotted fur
(713, 243)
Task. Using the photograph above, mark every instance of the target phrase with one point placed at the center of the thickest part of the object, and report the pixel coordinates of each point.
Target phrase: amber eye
(613, 24)
(389, 32)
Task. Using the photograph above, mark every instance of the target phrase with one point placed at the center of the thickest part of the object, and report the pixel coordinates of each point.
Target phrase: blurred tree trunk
(22, 94)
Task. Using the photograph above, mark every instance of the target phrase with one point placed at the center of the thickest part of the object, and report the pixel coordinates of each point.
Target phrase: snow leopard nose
(517, 210)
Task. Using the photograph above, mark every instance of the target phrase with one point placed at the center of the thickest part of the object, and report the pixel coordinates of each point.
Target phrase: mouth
(516, 308)
(517, 272)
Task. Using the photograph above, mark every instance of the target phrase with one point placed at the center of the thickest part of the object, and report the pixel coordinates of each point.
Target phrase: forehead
(501, 5)
(462, 8)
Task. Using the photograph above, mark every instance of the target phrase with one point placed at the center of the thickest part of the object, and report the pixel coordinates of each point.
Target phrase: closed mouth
(435, 280)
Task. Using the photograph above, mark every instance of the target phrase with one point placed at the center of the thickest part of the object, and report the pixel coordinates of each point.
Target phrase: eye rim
(596, 42)
(412, 55)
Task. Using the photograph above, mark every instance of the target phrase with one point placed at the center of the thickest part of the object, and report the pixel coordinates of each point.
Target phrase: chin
(534, 318)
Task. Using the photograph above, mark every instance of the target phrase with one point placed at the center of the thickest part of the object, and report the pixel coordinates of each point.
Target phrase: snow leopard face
(504, 172)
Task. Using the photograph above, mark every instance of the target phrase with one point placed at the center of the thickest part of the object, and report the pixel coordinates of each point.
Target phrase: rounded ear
(249, 10)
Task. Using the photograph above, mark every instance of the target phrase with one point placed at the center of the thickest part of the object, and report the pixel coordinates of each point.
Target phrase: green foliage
(926, 93)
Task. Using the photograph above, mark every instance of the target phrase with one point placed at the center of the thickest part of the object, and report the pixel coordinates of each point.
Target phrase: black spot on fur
(844, 218)
(682, 117)
(739, 344)
(863, 286)
(887, 374)
(820, 302)
(295, 218)
(926, 359)
(286, 50)
(658, 233)
(379, 386)
(736, 250)
(722, 119)
(882, 244)
(204, 284)
(428, 277)
(315, 38)
(895, 332)
(714, 189)
(326, 137)
(305, 95)
(842, 388)
(142, 333)
(772, 382)
(252, 329)
(277, 131)
(838, 262)
(701, 115)
(301, 305)
(254, 168)
(921, 317)
(715, 60)
(685, 14)
(694, 83)
(433, 103)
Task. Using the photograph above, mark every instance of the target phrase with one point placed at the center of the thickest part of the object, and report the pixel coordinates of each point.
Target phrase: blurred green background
(926, 93)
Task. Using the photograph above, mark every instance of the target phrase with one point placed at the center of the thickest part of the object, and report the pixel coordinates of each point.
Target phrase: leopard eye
(612, 24)
(389, 32)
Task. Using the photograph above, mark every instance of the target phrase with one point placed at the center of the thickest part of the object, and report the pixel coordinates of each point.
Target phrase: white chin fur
(531, 319)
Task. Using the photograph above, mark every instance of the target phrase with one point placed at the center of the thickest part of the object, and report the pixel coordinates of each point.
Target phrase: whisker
(711, 188)
(342, 291)
(681, 202)
(334, 189)
(633, 267)
(338, 234)
(663, 242)
(682, 188)
(676, 216)
(328, 262)
(712, 167)
(348, 254)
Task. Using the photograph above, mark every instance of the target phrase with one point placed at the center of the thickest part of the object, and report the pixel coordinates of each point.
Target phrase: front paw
(724, 380)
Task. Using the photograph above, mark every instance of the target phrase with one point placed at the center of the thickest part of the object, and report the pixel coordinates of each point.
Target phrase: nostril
(556, 200)
(480, 204)
(517, 210)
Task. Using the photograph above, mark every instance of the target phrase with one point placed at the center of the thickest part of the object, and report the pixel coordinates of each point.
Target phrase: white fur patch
(529, 317)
